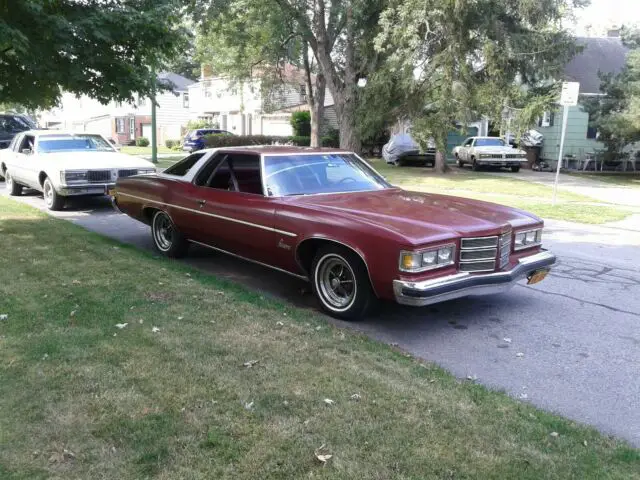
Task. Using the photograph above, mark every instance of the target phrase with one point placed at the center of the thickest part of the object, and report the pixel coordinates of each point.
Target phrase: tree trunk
(316, 107)
(346, 113)
(441, 162)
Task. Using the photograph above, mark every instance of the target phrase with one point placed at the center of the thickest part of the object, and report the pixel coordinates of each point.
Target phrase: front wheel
(52, 199)
(14, 189)
(475, 166)
(459, 162)
(341, 283)
(515, 169)
(166, 237)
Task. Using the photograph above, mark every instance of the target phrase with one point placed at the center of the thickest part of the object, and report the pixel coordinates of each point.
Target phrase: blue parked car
(194, 140)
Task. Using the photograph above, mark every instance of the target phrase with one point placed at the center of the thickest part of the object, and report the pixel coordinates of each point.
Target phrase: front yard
(119, 364)
(533, 197)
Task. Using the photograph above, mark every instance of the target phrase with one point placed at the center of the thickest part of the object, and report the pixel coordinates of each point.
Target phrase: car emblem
(283, 245)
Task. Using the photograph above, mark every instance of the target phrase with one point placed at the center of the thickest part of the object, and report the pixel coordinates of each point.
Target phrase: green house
(606, 55)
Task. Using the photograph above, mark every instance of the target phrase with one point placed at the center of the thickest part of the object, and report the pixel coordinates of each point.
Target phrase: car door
(20, 162)
(233, 213)
(466, 149)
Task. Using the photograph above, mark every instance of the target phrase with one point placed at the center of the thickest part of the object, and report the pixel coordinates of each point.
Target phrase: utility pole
(154, 137)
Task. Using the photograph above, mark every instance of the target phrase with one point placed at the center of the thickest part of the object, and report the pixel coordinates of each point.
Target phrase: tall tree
(616, 115)
(103, 48)
(253, 41)
(460, 59)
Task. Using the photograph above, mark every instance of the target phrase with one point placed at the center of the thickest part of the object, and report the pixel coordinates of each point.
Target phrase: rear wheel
(341, 283)
(166, 237)
(515, 169)
(52, 199)
(459, 162)
(13, 187)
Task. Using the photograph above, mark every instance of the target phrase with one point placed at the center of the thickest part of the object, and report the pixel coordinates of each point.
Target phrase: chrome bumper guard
(441, 289)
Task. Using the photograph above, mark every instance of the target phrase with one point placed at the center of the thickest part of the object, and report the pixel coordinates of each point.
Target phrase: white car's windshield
(320, 173)
(75, 143)
(489, 142)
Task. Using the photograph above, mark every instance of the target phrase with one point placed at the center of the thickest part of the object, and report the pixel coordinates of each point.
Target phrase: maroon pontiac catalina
(327, 217)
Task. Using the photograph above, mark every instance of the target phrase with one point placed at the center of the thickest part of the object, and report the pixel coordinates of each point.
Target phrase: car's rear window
(181, 168)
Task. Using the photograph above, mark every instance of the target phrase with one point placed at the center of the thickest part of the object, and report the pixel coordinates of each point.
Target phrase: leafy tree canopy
(102, 48)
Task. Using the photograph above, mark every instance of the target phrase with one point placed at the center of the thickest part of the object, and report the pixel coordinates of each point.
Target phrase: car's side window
(468, 142)
(233, 172)
(181, 168)
(28, 143)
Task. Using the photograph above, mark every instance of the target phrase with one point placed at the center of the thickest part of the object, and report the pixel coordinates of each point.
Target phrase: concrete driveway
(570, 344)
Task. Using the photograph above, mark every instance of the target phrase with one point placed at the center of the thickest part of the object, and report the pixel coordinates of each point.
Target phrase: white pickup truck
(488, 151)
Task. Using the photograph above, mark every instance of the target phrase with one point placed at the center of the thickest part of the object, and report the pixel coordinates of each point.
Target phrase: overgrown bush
(331, 139)
(196, 124)
(171, 143)
(301, 124)
(142, 142)
(217, 141)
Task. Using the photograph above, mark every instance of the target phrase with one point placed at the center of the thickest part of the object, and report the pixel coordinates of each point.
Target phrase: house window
(142, 101)
(547, 119)
(132, 126)
(592, 132)
(185, 100)
(303, 91)
(120, 125)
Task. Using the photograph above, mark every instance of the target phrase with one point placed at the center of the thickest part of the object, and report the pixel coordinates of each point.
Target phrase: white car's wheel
(459, 162)
(14, 188)
(52, 199)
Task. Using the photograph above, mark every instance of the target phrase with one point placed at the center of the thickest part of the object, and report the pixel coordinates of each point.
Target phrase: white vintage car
(65, 164)
(488, 151)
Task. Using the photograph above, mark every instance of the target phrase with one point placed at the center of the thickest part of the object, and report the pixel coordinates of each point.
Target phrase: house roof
(606, 55)
(175, 81)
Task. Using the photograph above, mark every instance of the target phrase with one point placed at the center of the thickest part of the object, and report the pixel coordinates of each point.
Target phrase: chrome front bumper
(85, 189)
(441, 289)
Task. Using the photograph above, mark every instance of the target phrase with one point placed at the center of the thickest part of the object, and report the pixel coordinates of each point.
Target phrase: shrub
(301, 124)
(300, 141)
(331, 139)
(142, 142)
(171, 143)
(196, 124)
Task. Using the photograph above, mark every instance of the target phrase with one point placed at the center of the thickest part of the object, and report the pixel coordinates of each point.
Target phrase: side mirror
(26, 151)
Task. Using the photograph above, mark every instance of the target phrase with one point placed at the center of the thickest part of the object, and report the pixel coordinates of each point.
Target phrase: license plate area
(537, 276)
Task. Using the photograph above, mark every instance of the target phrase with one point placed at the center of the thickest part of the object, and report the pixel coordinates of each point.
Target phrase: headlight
(429, 259)
(73, 177)
(146, 171)
(486, 155)
(527, 239)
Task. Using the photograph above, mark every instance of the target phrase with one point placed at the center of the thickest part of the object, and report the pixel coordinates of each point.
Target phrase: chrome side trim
(221, 217)
(301, 277)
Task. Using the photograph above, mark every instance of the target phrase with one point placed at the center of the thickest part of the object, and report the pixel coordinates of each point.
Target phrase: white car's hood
(94, 160)
(500, 150)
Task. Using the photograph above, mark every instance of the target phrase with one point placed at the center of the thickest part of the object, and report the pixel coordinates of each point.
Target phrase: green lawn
(134, 150)
(233, 385)
(528, 196)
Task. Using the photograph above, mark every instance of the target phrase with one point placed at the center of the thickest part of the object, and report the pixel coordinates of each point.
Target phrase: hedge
(217, 141)
(142, 142)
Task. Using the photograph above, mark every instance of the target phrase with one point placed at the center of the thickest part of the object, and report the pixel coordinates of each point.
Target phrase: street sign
(569, 95)
(568, 98)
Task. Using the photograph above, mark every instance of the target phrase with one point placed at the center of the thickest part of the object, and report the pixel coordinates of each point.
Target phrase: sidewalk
(601, 191)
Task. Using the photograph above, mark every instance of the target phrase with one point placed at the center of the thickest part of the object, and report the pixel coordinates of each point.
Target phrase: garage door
(276, 126)
(146, 130)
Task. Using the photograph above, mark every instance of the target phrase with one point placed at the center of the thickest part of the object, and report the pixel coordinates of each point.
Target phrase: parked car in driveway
(10, 125)
(489, 152)
(326, 216)
(194, 140)
(62, 165)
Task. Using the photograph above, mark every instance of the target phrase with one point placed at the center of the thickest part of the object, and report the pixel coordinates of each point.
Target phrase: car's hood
(94, 160)
(422, 217)
(500, 150)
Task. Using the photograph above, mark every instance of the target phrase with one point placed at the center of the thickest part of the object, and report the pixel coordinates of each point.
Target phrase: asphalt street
(570, 344)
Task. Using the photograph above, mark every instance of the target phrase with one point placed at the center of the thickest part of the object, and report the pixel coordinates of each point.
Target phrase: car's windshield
(75, 143)
(319, 173)
(489, 142)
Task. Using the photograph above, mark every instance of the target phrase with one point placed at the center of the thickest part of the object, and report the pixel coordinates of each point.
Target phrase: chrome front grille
(512, 155)
(478, 254)
(127, 173)
(505, 249)
(99, 176)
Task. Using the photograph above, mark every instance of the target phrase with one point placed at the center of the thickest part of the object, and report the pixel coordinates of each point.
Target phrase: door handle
(201, 203)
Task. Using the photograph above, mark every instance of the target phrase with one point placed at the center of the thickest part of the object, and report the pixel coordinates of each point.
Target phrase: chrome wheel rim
(335, 282)
(8, 180)
(163, 231)
(48, 193)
